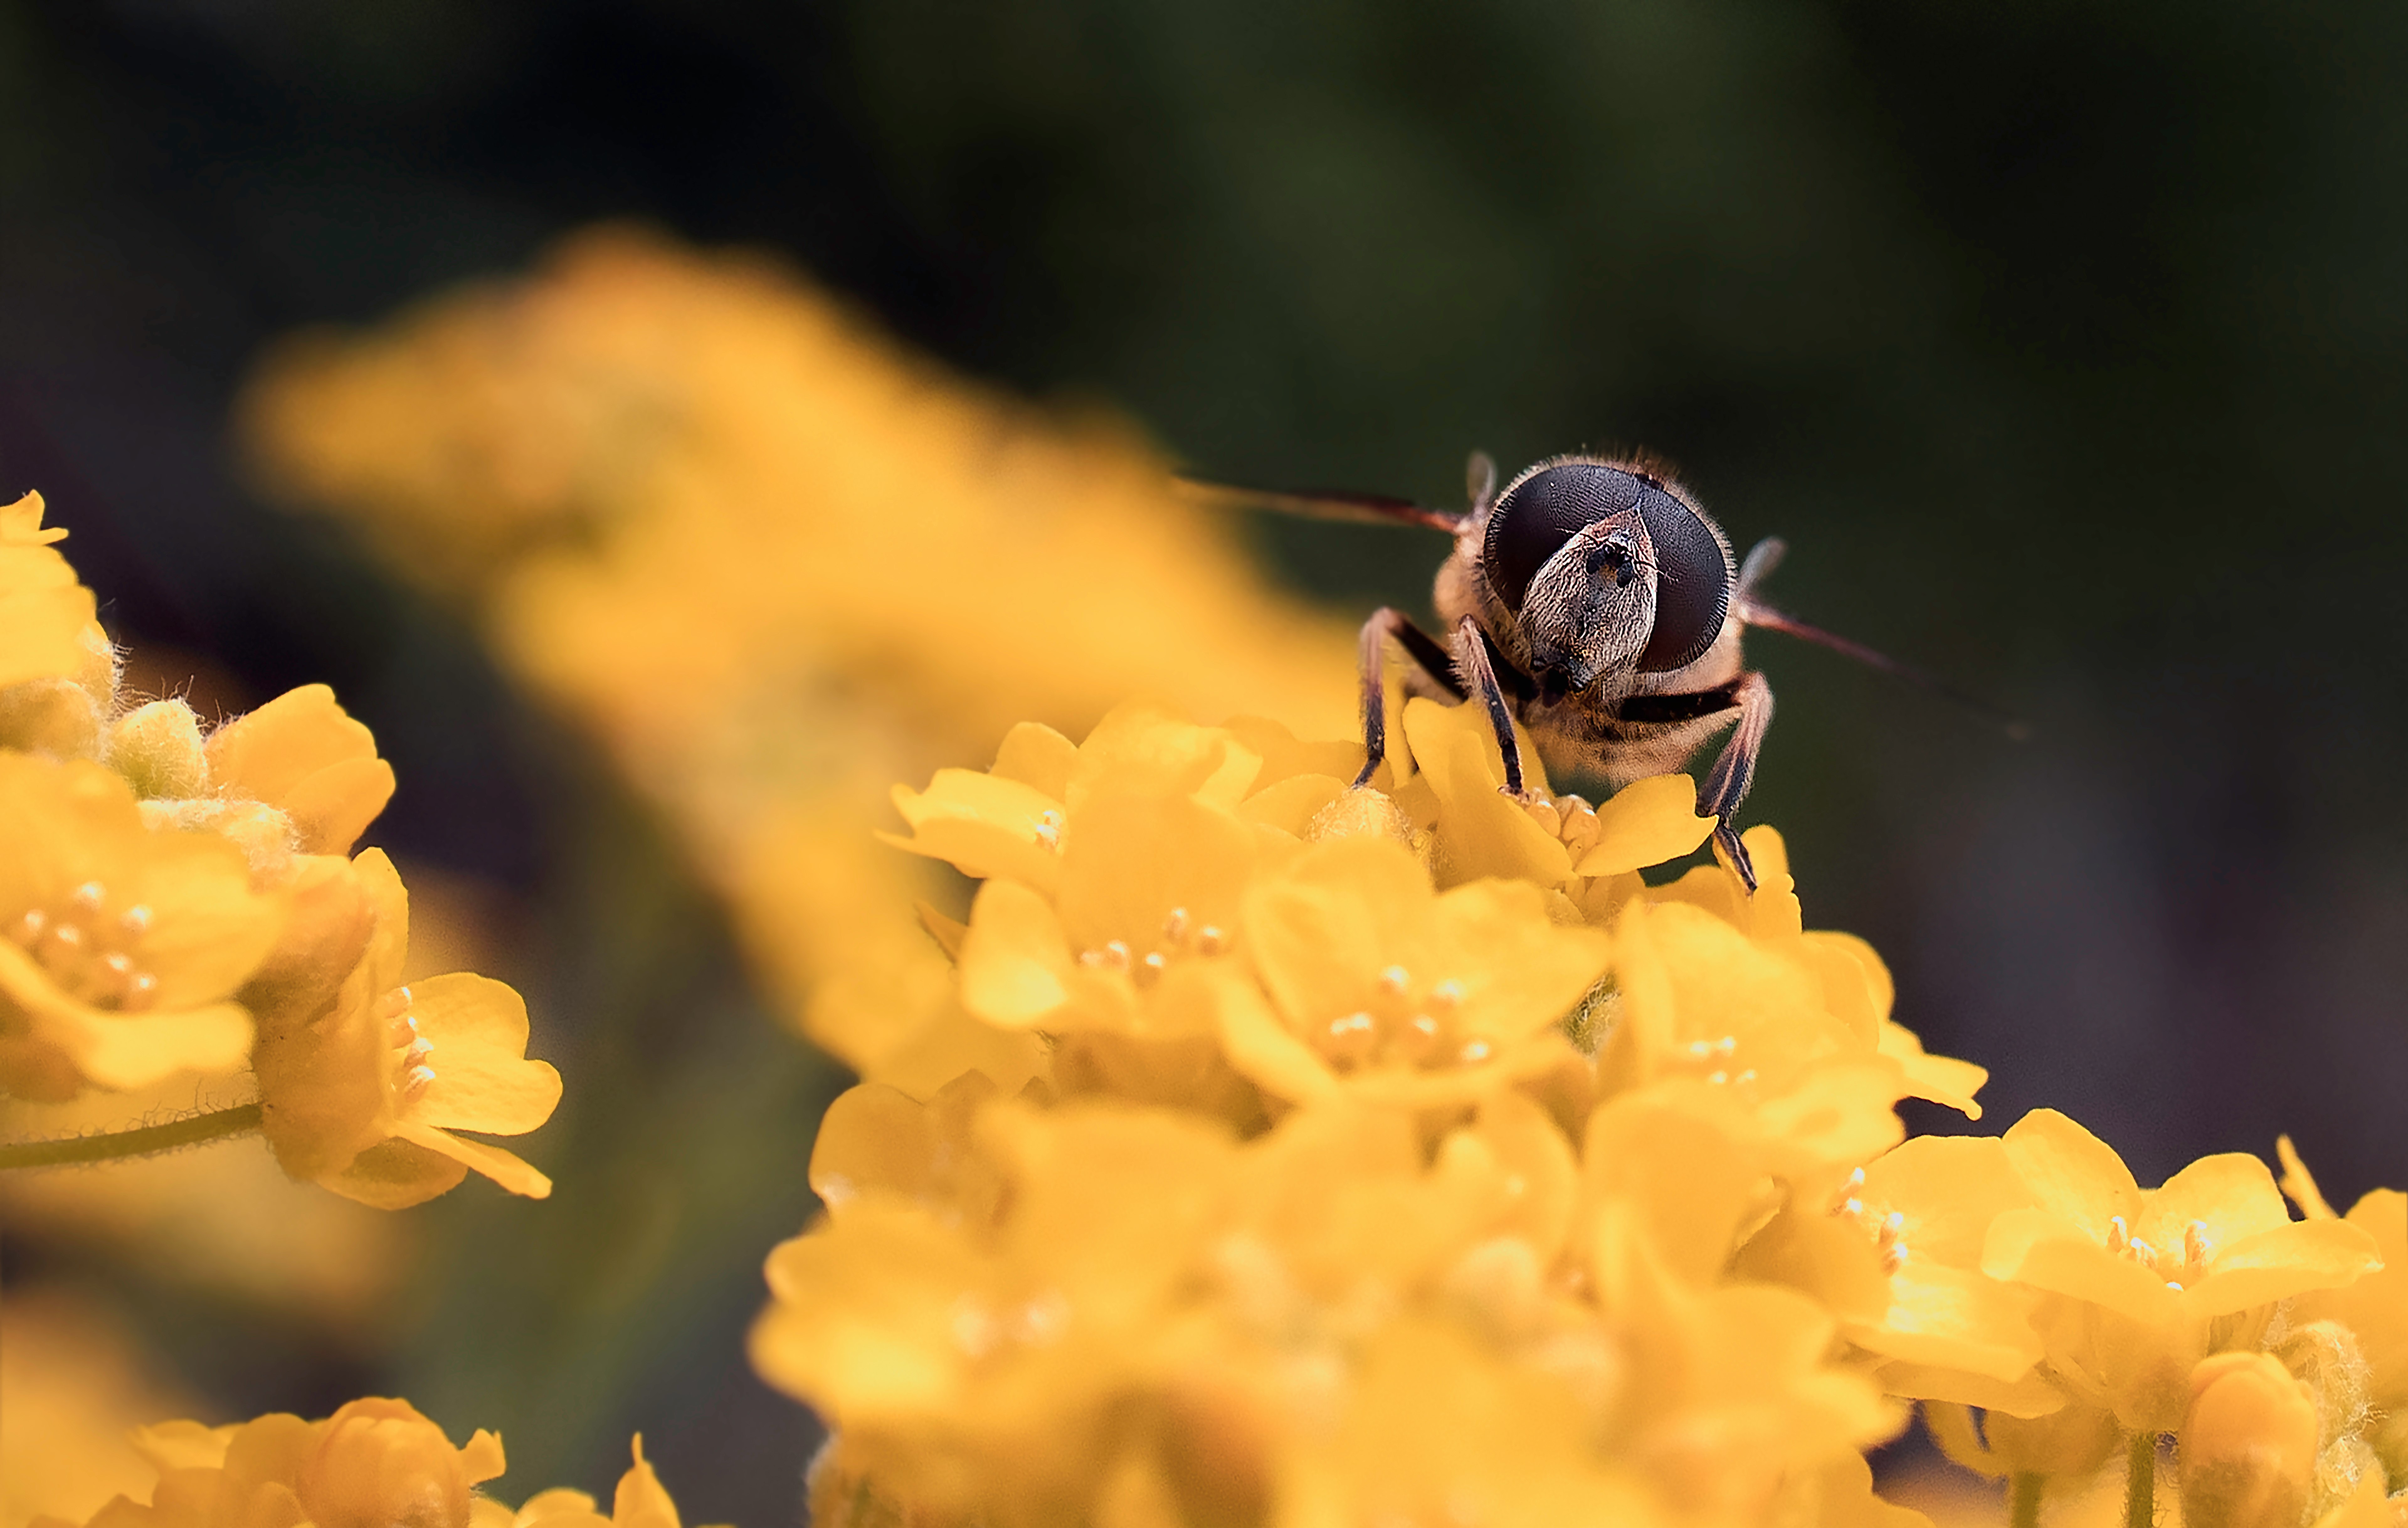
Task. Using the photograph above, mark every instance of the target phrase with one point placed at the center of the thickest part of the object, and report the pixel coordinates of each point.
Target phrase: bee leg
(1426, 656)
(1734, 770)
(1471, 650)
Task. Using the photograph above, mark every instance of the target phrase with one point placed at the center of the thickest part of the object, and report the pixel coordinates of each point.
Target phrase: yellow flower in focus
(1378, 984)
(124, 947)
(303, 754)
(1950, 1332)
(364, 1096)
(374, 1463)
(2144, 1281)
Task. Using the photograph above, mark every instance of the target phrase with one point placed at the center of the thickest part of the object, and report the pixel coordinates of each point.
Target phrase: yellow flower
(303, 754)
(2374, 1308)
(364, 1095)
(670, 481)
(372, 1464)
(58, 669)
(641, 1502)
(44, 611)
(124, 945)
(1950, 1332)
(2141, 1278)
(1375, 984)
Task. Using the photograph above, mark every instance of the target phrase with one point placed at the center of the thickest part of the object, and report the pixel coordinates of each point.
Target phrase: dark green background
(2068, 345)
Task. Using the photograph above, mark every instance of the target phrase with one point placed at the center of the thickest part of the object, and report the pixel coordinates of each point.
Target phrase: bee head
(1606, 567)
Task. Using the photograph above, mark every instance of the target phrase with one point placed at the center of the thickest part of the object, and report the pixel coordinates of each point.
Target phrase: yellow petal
(304, 753)
(2291, 1258)
(505, 1168)
(1939, 1079)
(1954, 1318)
(484, 1080)
(395, 1174)
(2231, 1196)
(2074, 1174)
(641, 1502)
(2039, 1247)
(2032, 1395)
(1015, 965)
(1647, 823)
(1480, 832)
(984, 825)
(1267, 1051)
(1036, 754)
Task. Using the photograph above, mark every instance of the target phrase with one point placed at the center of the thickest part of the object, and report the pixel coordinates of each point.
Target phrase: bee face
(1605, 569)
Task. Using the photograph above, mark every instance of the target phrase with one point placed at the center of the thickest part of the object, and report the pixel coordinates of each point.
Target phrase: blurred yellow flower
(124, 945)
(775, 564)
(2139, 1276)
(373, 1464)
(363, 1096)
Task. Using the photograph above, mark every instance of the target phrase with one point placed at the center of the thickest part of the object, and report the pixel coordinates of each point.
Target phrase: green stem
(2023, 1499)
(116, 1145)
(2140, 1483)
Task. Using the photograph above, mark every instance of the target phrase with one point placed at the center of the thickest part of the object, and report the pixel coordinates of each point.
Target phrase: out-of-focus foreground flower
(181, 899)
(374, 1463)
(774, 565)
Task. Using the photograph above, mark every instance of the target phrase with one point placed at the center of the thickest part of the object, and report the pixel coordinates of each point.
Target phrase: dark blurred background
(2067, 344)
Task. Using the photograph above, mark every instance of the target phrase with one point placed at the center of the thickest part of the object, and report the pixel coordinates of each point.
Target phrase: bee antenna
(1756, 614)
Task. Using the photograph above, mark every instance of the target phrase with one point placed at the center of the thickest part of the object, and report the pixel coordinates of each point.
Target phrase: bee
(1592, 599)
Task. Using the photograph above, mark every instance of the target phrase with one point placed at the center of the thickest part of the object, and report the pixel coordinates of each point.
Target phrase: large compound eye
(1542, 512)
(1693, 583)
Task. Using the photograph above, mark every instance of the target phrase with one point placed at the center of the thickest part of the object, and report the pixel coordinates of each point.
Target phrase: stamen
(416, 1055)
(1446, 996)
(2118, 1239)
(138, 989)
(89, 896)
(1149, 970)
(1476, 1052)
(31, 926)
(415, 1081)
(1210, 940)
(1049, 829)
(1394, 981)
(1116, 954)
(118, 963)
(2195, 1246)
(1174, 928)
(136, 920)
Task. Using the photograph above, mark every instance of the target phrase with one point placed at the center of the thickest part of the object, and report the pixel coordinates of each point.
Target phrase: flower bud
(2248, 1447)
(158, 749)
(379, 1464)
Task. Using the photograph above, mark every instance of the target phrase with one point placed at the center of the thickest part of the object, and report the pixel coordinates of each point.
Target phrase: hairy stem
(119, 1144)
(2023, 1499)
(2139, 1484)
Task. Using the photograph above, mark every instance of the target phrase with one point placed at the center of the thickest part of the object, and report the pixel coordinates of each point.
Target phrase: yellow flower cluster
(176, 899)
(374, 1463)
(773, 564)
(1403, 1156)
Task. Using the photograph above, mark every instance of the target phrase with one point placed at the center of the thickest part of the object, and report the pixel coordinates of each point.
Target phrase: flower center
(92, 949)
(1398, 1028)
(1182, 935)
(412, 1077)
(2180, 1267)
(1886, 1229)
